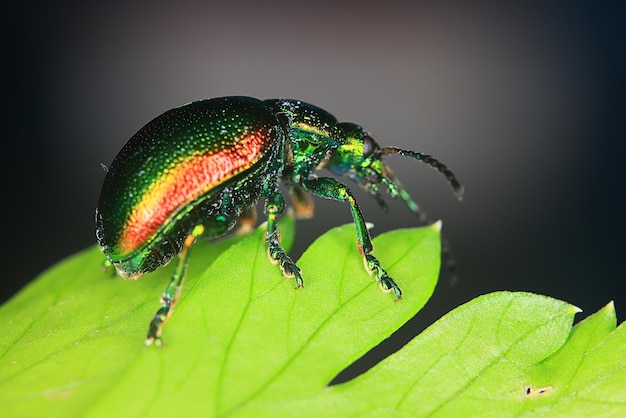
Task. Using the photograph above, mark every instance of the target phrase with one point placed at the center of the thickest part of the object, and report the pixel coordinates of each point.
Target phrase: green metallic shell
(163, 182)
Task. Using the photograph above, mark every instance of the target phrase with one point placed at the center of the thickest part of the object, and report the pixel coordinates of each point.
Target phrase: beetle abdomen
(176, 165)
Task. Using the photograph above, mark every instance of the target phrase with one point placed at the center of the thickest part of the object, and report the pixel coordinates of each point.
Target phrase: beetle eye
(368, 145)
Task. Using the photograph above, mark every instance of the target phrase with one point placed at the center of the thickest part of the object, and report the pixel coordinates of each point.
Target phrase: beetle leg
(247, 220)
(302, 203)
(274, 207)
(172, 291)
(330, 188)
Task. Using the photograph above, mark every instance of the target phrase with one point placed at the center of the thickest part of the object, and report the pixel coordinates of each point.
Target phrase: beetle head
(360, 158)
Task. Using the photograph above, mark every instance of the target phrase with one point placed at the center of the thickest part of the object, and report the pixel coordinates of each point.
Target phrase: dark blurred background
(523, 100)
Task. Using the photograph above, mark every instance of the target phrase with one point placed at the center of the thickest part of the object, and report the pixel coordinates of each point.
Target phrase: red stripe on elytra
(185, 182)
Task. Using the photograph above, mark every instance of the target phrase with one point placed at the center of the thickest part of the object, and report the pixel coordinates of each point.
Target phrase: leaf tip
(609, 308)
(575, 309)
(437, 225)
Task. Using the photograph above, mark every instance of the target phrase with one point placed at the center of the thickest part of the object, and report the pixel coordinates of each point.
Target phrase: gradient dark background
(524, 101)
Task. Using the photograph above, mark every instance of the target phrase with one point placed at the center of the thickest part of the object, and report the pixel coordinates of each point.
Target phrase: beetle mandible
(197, 169)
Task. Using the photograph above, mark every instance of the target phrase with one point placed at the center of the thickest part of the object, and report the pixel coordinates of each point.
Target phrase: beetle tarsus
(387, 284)
(277, 255)
(156, 325)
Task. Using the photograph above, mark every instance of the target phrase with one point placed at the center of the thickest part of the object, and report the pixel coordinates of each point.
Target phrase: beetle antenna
(431, 161)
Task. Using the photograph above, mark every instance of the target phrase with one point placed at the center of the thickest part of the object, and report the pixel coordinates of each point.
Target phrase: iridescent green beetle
(197, 169)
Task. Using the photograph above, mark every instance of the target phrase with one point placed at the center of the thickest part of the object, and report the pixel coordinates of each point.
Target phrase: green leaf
(502, 354)
(75, 330)
(587, 376)
(240, 333)
(243, 342)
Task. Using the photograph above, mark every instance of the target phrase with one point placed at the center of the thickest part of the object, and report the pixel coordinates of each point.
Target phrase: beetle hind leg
(173, 289)
(274, 207)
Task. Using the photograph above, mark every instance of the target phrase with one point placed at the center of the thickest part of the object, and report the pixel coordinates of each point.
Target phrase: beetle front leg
(274, 207)
(172, 291)
(330, 188)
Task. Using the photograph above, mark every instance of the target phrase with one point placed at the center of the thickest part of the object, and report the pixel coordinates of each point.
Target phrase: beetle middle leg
(172, 291)
(330, 188)
(274, 207)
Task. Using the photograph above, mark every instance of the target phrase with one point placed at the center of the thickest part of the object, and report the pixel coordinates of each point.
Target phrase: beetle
(196, 170)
